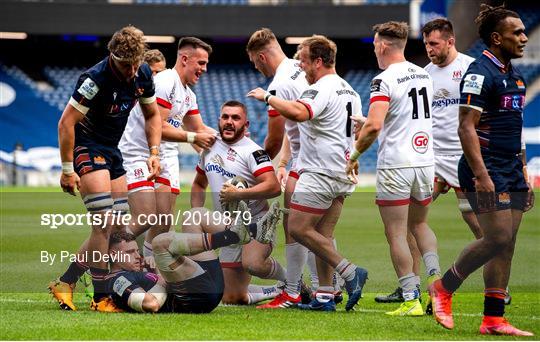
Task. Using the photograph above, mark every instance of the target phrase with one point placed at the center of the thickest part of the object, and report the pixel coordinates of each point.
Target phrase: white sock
(147, 249)
(431, 260)
(346, 269)
(258, 293)
(312, 265)
(408, 284)
(338, 281)
(277, 272)
(296, 259)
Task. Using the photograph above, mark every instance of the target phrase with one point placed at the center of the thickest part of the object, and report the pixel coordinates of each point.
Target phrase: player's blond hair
(396, 32)
(128, 45)
(321, 47)
(153, 56)
(260, 39)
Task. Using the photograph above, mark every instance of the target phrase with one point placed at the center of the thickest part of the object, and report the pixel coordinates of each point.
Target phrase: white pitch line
(11, 300)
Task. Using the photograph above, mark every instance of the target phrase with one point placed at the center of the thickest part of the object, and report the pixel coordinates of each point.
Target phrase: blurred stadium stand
(43, 85)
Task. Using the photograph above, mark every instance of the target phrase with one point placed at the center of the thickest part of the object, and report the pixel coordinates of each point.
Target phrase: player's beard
(238, 134)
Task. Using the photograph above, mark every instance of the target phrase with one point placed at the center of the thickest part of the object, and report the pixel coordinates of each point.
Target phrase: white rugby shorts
(446, 171)
(403, 185)
(231, 256)
(315, 192)
(137, 174)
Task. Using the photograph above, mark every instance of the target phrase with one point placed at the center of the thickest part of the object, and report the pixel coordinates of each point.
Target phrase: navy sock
(73, 273)
(224, 238)
(493, 306)
(99, 282)
(451, 281)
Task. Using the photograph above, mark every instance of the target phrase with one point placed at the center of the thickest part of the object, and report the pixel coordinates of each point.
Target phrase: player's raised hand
(352, 171)
(205, 140)
(154, 166)
(228, 193)
(70, 182)
(257, 93)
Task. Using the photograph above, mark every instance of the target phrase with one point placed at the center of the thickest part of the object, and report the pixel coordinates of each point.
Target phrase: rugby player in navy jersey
(88, 133)
(183, 284)
(491, 171)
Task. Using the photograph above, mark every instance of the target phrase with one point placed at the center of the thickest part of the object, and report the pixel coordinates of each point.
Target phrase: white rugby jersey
(406, 136)
(445, 105)
(171, 94)
(225, 161)
(326, 139)
(289, 82)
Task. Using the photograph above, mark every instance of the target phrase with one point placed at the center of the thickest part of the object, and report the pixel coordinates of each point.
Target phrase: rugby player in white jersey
(289, 81)
(232, 155)
(178, 108)
(446, 69)
(323, 114)
(400, 115)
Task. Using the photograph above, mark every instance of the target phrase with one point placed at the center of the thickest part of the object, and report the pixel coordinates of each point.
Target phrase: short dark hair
(235, 103)
(321, 47)
(489, 19)
(440, 24)
(121, 236)
(195, 43)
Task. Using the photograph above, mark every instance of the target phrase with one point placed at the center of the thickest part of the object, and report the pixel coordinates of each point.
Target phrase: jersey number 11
(413, 96)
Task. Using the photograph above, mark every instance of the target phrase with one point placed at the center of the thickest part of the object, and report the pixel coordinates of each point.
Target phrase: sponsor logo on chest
(512, 102)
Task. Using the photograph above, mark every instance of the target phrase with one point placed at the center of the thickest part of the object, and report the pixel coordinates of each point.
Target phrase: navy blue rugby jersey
(121, 284)
(106, 99)
(498, 92)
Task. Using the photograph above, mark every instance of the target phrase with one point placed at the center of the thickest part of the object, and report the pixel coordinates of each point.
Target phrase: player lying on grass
(183, 284)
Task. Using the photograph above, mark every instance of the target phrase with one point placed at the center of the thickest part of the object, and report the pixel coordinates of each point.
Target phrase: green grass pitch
(28, 312)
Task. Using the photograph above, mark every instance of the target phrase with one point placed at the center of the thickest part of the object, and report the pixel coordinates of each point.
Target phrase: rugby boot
(281, 301)
(321, 302)
(105, 304)
(408, 308)
(354, 287)
(63, 293)
(394, 297)
(441, 301)
(500, 326)
(429, 305)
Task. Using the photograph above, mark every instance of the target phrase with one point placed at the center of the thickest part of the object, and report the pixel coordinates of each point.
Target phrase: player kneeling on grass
(233, 156)
(183, 284)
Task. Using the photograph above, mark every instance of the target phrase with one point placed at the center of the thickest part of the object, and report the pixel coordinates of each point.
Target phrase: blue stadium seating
(28, 119)
(194, 2)
(223, 82)
(387, 2)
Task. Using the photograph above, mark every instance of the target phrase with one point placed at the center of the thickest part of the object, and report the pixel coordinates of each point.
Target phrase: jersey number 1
(413, 96)
(349, 120)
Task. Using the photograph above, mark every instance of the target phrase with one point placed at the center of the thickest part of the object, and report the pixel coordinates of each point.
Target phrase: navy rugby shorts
(506, 172)
(90, 156)
(201, 294)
